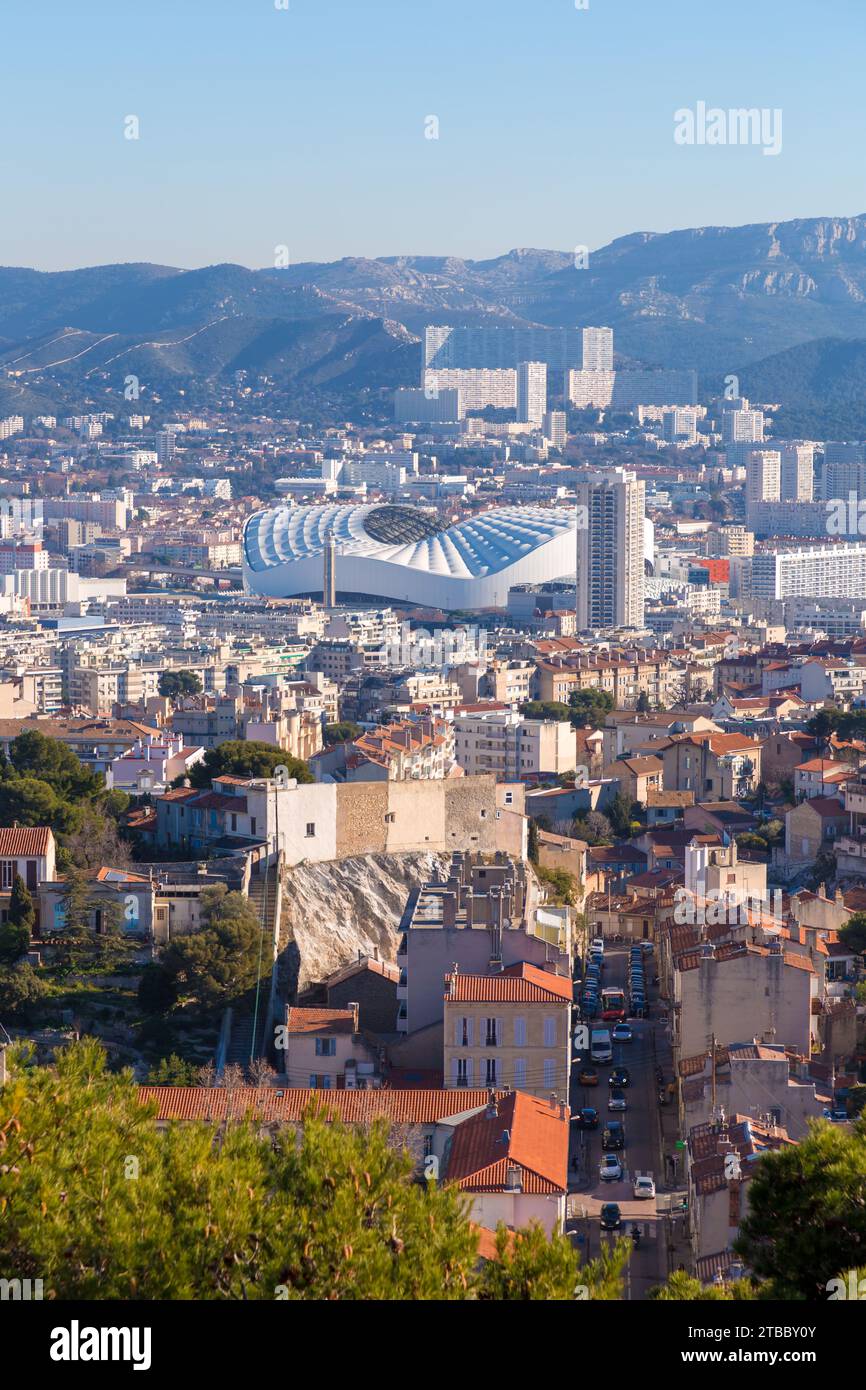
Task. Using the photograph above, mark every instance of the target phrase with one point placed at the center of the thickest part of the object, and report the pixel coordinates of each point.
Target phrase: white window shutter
(470, 1031)
(499, 1032)
(458, 1031)
(469, 1071)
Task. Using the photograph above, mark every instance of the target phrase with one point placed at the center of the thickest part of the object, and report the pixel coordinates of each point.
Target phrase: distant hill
(820, 385)
(717, 298)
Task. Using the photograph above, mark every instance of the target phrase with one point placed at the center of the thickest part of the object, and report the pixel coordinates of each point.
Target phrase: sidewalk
(672, 1181)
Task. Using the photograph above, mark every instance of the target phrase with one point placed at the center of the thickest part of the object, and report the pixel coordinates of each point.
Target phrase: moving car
(616, 1100)
(610, 1168)
(620, 1076)
(586, 1118)
(644, 1187)
(588, 1076)
(610, 1216)
(613, 1137)
(597, 944)
(622, 1033)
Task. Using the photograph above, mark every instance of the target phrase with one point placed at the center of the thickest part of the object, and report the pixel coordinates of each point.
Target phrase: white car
(644, 1187)
(597, 944)
(610, 1168)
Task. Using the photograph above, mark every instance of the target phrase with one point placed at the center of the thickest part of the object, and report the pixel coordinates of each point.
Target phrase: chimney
(552, 1100)
(492, 1111)
(356, 1012)
(563, 1110)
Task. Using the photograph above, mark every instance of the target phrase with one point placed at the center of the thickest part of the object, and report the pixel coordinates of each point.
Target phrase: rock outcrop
(331, 911)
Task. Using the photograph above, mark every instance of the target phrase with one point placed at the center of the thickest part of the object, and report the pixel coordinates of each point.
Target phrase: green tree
(32, 754)
(100, 1205)
(20, 989)
(545, 709)
(619, 813)
(532, 842)
(246, 758)
(853, 933)
(174, 684)
(16, 931)
(344, 732)
(173, 1071)
(157, 990)
(682, 1287)
(806, 1219)
(644, 704)
(531, 1266)
(221, 962)
(589, 707)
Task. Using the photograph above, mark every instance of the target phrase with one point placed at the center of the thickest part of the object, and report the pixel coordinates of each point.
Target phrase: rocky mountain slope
(716, 298)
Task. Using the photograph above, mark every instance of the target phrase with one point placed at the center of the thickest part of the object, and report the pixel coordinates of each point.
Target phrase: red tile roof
(320, 1020)
(272, 1105)
(25, 841)
(517, 984)
(526, 1132)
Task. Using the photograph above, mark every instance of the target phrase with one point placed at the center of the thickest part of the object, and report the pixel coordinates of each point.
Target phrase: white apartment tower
(610, 550)
(763, 481)
(797, 472)
(597, 350)
(531, 392)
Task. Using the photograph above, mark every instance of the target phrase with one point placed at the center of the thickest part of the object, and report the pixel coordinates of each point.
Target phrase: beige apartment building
(511, 1028)
(513, 748)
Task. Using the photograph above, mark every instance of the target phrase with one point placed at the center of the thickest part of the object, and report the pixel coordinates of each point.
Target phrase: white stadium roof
(403, 553)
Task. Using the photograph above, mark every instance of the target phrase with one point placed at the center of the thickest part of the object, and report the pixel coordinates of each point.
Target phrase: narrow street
(649, 1139)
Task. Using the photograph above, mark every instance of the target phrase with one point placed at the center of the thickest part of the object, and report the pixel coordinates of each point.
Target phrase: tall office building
(610, 550)
(597, 345)
(531, 392)
(797, 473)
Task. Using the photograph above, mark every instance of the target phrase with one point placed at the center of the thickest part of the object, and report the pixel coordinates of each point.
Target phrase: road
(642, 1154)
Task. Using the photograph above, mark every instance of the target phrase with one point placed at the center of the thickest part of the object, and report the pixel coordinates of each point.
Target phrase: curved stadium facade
(401, 553)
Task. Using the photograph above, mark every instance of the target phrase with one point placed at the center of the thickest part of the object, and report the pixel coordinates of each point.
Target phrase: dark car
(586, 1118)
(610, 1217)
(613, 1138)
(587, 1076)
(620, 1076)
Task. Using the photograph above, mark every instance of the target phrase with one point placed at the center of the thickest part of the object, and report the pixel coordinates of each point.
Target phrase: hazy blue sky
(261, 127)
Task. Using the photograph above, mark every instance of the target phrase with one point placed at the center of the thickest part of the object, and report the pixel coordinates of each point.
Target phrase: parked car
(610, 1216)
(644, 1187)
(587, 1076)
(597, 944)
(610, 1168)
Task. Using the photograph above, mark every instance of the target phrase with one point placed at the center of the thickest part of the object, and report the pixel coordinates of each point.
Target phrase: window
(7, 873)
(320, 1083)
(520, 1032)
(509, 797)
(326, 1047)
(252, 825)
(463, 1031)
(311, 829)
(491, 1068)
(550, 1032)
(519, 1073)
(390, 817)
(493, 1032)
(461, 1071)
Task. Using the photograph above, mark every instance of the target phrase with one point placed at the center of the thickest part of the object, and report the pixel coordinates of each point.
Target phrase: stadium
(403, 554)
